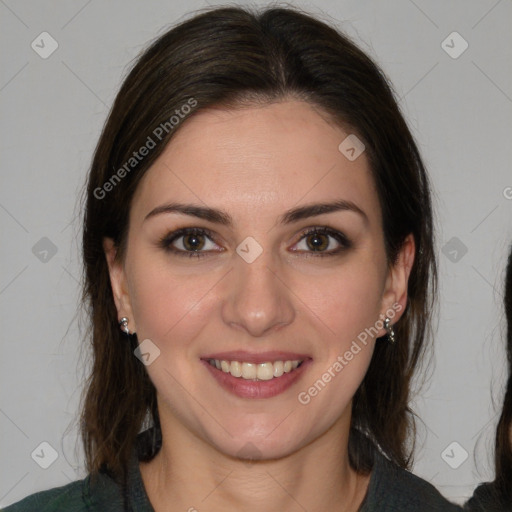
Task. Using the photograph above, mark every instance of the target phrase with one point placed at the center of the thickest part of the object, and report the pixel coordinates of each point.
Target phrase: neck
(189, 474)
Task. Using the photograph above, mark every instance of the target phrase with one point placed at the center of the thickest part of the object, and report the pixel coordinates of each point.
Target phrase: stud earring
(123, 324)
(390, 331)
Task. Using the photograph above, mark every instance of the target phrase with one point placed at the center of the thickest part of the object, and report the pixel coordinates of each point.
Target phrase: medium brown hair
(503, 446)
(230, 57)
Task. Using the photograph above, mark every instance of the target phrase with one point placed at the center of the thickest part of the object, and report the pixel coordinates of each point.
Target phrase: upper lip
(256, 358)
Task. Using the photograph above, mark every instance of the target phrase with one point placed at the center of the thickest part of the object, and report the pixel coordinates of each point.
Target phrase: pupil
(193, 242)
(317, 242)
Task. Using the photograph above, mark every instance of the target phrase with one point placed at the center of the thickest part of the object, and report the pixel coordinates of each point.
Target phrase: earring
(389, 330)
(123, 324)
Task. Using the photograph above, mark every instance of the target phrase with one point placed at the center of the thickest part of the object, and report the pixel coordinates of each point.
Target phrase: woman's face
(254, 241)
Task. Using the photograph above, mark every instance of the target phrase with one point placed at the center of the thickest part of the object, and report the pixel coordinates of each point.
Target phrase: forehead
(257, 159)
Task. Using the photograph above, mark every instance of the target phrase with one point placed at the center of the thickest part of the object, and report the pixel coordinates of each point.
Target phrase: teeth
(253, 371)
(249, 370)
(265, 371)
(235, 369)
(278, 368)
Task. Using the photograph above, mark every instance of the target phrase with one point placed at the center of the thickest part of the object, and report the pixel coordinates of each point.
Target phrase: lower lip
(257, 388)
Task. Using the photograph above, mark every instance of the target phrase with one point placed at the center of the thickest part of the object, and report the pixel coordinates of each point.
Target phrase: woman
(260, 271)
(497, 496)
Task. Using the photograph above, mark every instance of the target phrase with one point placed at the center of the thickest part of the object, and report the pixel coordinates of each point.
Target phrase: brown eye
(317, 242)
(193, 242)
(322, 241)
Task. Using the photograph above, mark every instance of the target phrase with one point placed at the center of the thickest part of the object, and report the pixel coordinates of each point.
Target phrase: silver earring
(389, 330)
(123, 323)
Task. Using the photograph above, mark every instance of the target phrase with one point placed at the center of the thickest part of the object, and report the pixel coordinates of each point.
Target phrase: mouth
(249, 375)
(256, 372)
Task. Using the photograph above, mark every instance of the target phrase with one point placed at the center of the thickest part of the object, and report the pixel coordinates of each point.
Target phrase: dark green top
(487, 498)
(391, 489)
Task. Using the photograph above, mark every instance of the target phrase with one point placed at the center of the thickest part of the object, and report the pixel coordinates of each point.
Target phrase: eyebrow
(223, 218)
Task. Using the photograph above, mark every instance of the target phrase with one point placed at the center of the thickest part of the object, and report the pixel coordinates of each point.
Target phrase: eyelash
(167, 241)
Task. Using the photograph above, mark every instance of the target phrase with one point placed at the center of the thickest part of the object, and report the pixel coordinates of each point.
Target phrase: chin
(251, 450)
(261, 439)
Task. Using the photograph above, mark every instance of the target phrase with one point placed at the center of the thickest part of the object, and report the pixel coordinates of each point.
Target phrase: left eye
(322, 241)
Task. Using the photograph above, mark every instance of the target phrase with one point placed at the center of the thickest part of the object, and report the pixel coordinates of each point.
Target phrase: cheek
(166, 305)
(347, 304)
(346, 301)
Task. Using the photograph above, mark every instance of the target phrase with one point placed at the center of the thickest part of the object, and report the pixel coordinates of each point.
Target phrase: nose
(257, 299)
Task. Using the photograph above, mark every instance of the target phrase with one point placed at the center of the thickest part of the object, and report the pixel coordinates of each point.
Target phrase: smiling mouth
(255, 371)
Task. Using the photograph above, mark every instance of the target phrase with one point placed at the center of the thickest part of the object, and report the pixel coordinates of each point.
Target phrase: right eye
(189, 242)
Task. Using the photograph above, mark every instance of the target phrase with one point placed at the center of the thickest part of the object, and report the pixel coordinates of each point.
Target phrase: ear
(395, 293)
(118, 283)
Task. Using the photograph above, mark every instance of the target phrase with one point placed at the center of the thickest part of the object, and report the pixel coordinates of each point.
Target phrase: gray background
(460, 110)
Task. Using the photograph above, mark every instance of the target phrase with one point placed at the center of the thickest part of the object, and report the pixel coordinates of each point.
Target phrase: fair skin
(255, 164)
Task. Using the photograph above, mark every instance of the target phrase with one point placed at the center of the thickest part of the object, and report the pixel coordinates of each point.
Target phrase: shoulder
(99, 494)
(395, 489)
(487, 498)
(68, 497)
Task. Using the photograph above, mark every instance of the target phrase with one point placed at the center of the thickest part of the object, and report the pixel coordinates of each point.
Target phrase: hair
(503, 443)
(229, 58)
(497, 495)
